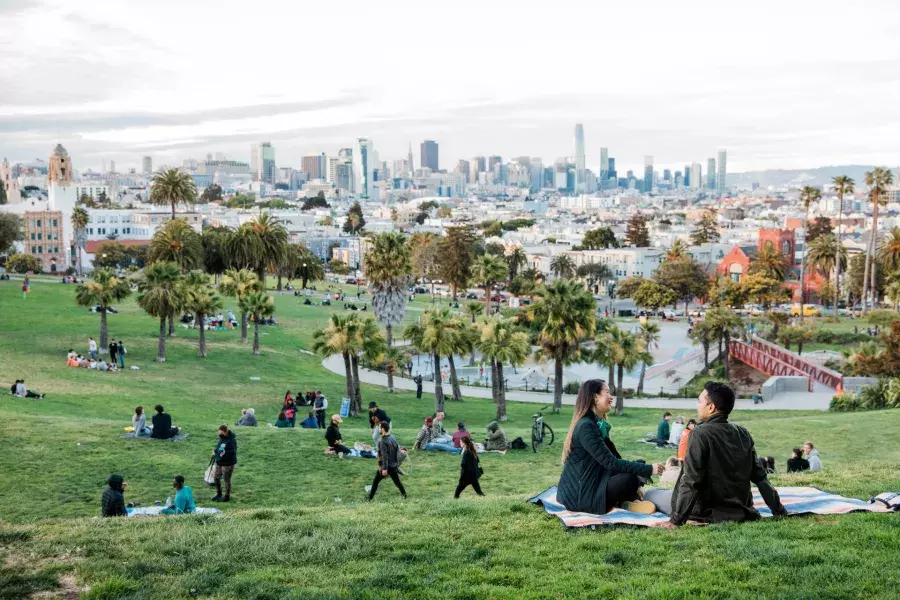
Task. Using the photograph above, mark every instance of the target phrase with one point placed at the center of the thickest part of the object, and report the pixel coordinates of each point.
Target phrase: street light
(304, 276)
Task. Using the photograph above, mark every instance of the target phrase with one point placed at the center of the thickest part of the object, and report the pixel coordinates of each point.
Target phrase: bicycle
(540, 432)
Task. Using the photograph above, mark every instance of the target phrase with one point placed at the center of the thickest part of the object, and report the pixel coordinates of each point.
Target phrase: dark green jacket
(662, 431)
(714, 483)
(592, 460)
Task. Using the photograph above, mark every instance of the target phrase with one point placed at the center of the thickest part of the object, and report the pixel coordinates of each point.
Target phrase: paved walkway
(784, 401)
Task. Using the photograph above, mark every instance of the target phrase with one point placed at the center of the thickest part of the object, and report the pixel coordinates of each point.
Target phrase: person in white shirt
(812, 456)
(677, 429)
(92, 348)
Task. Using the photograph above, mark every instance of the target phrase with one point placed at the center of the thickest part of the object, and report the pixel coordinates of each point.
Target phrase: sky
(795, 84)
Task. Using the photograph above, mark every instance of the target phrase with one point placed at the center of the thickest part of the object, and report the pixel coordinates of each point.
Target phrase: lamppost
(303, 275)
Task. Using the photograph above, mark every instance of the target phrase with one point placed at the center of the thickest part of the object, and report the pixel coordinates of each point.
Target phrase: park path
(784, 401)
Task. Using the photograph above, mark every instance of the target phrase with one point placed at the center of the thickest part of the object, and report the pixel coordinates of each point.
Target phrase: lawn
(297, 526)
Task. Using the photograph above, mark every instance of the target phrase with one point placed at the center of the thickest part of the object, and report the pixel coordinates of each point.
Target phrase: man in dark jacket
(376, 417)
(226, 458)
(418, 381)
(113, 352)
(720, 464)
(112, 504)
(162, 424)
(333, 436)
(388, 460)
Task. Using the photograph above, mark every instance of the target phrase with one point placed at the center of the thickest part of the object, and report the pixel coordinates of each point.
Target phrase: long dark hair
(584, 406)
(138, 411)
(468, 445)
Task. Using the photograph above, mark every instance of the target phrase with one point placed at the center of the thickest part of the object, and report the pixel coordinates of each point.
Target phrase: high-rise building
(492, 162)
(537, 173)
(254, 162)
(604, 167)
(476, 166)
(696, 176)
(462, 167)
(613, 175)
(429, 155)
(711, 174)
(579, 157)
(112, 166)
(687, 176)
(147, 165)
(720, 177)
(412, 165)
(648, 173)
(365, 161)
(314, 165)
(262, 162)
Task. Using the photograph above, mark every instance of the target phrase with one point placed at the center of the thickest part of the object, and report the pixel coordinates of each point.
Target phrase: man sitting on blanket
(184, 499)
(714, 485)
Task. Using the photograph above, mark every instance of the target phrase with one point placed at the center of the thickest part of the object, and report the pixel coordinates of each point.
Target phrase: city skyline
(136, 94)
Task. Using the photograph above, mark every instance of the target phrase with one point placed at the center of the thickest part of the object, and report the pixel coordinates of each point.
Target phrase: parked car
(351, 280)
(472, 296)
(420, 289)
(809, 310)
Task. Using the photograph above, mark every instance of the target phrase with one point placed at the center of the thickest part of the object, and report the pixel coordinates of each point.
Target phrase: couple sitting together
(713, 485)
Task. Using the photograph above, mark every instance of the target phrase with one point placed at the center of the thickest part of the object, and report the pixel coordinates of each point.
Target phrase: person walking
(320, 404)
(376, 417)
(92, 348)
(388, 460)
(120, 352)
(470, 469)
(418, 380)
(226, 459)
(113, 351)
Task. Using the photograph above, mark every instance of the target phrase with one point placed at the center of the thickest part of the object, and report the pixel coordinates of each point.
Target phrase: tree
(489, 271)
(501, 343)
(889, 251)
(258, 305)
(338, 267)
(273, 241)
(855, 278)
(12, 229)
(474, 310)
(625, 351)
(516, 259)
(729, 293)
(703, 333)
(172, 188)
(842, 185)
(564, 319)
(456, 257)
(636, 232)
(435, 333)
(707, 229)
(315, 202)
(214, 241)
(628, 286)
(763, 290)
(818, 227)
(300, 263)
(388, 266)
(770, 262)
(685, 277)
(778, 320)
(808, 195)
(238, 283)
(160, 295)
(654, 296)
(3, 197)
(368, 343)
(604, 341)
(878, 180)
(563, 266)
(648, 334)
(24, 263)
(825, 253)
(111, 255)
(241, 201)
(177, 242)
(212, 193)
(678, 250)
(103, 290)
(79, 221)
(423, 254)
(725, 324)
(593, 273)
(201, 300)
(599, 239)
(337, 338)
(355, 220)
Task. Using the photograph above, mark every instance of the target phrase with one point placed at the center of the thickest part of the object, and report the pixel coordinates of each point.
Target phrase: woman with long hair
(595, 478)
(139, 422)
(470, 471)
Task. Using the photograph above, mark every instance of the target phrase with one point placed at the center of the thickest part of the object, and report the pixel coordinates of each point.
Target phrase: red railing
(823, 375)
(761, 360)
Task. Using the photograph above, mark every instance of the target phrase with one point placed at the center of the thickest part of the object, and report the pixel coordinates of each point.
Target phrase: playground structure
(778, 362)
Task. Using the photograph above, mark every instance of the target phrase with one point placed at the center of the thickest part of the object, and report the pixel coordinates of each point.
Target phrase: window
(32, 236)
(37, 223)
(40, 235)
(55, 223)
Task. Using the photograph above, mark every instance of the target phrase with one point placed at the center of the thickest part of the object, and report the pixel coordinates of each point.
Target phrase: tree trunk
(357, 392)
(243, 328)
(349, 378)
(874, 276)
(104, 332)
(202, 350)
(611, 382)
(472, 358)
(557, 385)
(161, 345)
(389, 337)
(495, 391)
(864, 297)
(725, 357)
(173, 210)
(620, 392)
(171, 323)
(501, 394)
(454, 382)
(487, 301)
(837, 262)
(803, 263)
(303, 279)
(706, 355)
(640, 387)
(279, 281)
(256, 336)
(438, 388)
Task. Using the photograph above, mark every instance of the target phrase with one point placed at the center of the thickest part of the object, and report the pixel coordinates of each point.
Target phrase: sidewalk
(785, 401)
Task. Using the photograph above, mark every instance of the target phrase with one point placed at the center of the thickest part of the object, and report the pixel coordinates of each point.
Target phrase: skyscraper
(311, 164)
(364, 161)
(579, 157)
(604, 167)
(112, 166)
(612, 172)
(720, 177)
(648, 173)
(147, 165)
(429, 155)
(711, 174)
(687, 176)
(412, 165)
(696, 176)
(492, 162)
(262, 162)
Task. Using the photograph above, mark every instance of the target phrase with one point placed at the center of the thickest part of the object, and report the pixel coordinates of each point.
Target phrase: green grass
(286, 535)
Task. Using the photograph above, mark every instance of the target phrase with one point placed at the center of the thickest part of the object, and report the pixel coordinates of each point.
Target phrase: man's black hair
(721, 395)
(158, 408)
(667, 414)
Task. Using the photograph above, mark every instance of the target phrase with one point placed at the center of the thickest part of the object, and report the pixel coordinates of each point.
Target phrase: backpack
(767, 463)
(518, 444)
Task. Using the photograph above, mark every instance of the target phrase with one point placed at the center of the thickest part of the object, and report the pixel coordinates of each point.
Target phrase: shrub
(23, 263)
(845, 402)
(825, 336)
(883, 317)
(885, 393)
(571, 387)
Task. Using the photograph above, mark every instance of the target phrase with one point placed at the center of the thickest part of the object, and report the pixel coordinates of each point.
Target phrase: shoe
(228, 499)
(216, 498)
(644, 507)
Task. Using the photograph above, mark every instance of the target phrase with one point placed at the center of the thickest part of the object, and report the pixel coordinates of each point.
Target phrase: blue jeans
(445, 447)
(93, 354)
(121, 361)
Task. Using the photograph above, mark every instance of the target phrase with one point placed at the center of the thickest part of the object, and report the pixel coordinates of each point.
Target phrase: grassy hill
(297, 526)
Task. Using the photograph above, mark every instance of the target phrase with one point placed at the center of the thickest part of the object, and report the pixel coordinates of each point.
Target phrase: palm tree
(201, 300)
(366, 341)
(778, 319)
(826, 254)
(172, 187)
(257, 305)
(678, 250)
(177, 242)
(725, 324)
(435, 334)
(601, 354)
(862, 354)
(771, 262)
(160, 294)
(808, 195)
(649, 335)
(80, 221)
(515, 260)
(501, 343)
(889, 251)
(563, 266)
(702, 334)
(337, 338)
(244, 249)
(892, 291)
(564, 318)
(593, 273)
(489, 271)
(237, 284)
(842, 185)
(878, 181)
(104, 290)
(272, 240)
(474, 310)
(533, 275)
(625, 352)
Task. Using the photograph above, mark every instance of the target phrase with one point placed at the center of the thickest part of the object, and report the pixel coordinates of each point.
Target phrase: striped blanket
(797, 501)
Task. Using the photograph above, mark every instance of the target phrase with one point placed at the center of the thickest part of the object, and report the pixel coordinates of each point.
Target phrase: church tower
(60, 171)
(61, 193)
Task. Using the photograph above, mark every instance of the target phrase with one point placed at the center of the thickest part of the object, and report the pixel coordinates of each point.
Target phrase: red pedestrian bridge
(775, 361)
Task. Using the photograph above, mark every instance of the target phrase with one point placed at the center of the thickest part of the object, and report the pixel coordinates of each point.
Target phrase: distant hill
(780, 177)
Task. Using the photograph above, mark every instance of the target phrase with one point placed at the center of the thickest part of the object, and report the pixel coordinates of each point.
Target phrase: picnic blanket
(177, 438)
(155, 511)
(797, 501)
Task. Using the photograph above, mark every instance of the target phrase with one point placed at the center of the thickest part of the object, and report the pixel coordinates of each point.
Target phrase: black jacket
(379, 416)
(112, 503)
(592, 460)
(714, 483)
(162, 426)
(795, 465)
(388, 452)
(469, 465)
(332, 434)
(113, 349)
(226, 450)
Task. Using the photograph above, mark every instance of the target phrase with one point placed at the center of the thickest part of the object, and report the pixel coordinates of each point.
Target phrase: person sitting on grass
(248, 418)
(682, 445)
(333, 436)
(796, 462)
(439, 434)
(425, 440)
(469, 470)
(139, 422)
(102, 365)
(290, 410)
(459, 434)
(812, 455)
(112, 503)
(162, 424)
(496, 437)
(310, 422)
(662, 430)
(72, 360)
(282, 421)
(22, 392)
(673, 470)
(676, 431)
(184, 499)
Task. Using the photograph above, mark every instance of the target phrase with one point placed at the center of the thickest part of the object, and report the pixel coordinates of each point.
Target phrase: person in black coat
(595, 478)
(113, 500)
(470, 470)
(162, 424)
(796, 462)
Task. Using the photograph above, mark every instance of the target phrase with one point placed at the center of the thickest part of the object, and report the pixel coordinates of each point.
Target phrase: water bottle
(169, 501)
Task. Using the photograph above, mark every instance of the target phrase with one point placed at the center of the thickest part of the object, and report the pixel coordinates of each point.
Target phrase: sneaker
(368, 488)
(216, 498)
(644, 507)
(228, 499)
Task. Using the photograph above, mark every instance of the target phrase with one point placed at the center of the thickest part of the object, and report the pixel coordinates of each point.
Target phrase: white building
(623, 262)
(365, 161)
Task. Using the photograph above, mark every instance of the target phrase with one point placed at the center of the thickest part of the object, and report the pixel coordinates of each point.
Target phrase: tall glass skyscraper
(648, 173)
(429, 155)
(579, 157)
(604, 168)
(365, 160)
(720, 178)
(711, 174)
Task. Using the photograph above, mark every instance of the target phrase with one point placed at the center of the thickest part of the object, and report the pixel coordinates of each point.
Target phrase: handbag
(210, 476)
